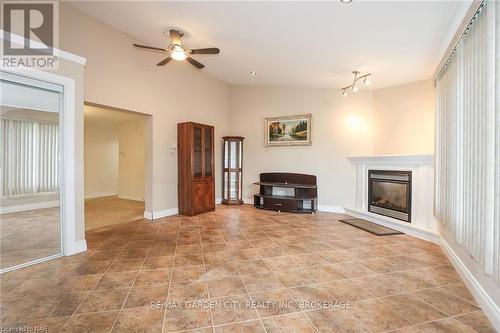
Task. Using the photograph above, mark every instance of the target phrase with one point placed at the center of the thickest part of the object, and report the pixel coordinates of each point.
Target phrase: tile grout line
(286, 290)
(107, 269)
(171, 272)
(244, 286)
(133, 284)
(436, 320)
(205, 277)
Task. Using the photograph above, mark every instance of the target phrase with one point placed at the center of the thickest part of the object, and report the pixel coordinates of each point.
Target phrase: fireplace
(389, 193)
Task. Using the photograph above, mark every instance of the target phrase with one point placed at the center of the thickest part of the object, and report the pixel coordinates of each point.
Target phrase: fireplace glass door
(389, 193)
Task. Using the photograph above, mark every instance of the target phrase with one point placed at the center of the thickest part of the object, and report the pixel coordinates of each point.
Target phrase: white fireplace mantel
(393, 159)
(423, 224)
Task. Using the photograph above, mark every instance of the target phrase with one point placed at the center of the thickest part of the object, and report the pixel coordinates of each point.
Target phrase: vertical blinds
(467, 142)
(30, 157)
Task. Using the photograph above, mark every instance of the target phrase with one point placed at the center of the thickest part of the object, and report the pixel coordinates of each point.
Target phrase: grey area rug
(373, 228)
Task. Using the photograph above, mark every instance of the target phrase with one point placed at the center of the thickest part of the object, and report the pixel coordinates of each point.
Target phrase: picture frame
(292, 130)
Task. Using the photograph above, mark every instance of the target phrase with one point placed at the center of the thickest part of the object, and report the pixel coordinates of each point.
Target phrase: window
(467, 197)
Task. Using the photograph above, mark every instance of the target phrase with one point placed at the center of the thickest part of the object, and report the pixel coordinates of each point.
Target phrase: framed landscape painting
(288, 130)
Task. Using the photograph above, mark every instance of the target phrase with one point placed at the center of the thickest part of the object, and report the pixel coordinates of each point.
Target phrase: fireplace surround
(423, 223)
(389, 193)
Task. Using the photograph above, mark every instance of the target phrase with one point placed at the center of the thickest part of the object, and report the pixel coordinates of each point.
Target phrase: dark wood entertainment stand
(304, 187)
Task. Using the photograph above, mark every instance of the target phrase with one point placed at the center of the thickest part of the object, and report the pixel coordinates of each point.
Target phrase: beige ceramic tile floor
(29, 235)
(243, 270)
(35, 234)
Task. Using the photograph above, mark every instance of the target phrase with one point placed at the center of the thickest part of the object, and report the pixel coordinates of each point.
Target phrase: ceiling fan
(179, 52)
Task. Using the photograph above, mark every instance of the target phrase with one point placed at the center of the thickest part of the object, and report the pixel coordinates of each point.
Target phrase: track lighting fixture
(354, 85)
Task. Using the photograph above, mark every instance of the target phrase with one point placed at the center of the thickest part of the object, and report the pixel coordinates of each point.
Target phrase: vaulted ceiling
(315, 44)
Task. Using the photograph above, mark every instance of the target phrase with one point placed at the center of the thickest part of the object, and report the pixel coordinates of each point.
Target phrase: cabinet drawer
(280, 204)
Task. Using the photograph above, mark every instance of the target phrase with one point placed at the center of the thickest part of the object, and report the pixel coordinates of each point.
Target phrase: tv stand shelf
(292, 185)
(305, 194)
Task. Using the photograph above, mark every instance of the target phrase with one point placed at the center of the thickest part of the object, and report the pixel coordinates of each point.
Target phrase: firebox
(389, 193)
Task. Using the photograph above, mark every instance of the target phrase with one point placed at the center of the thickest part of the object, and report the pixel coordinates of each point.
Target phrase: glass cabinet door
(197, 151)
(208, 152)
(232, 170)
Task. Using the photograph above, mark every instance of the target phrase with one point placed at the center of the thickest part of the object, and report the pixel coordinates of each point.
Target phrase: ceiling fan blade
(210, 50)
(175, 36)
(149, 48)
(195, 63)
(164, 61)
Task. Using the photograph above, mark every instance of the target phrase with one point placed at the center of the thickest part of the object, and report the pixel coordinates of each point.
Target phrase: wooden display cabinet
(196, 190)
(232, 164)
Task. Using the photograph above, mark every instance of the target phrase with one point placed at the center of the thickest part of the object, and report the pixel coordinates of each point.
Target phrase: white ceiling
(314, 44)
(101, 116)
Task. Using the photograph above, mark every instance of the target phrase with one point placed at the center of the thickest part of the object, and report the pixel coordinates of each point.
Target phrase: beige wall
(404, 119)
(101, 160)
(131, 160)
(119, 76)
(340, 127)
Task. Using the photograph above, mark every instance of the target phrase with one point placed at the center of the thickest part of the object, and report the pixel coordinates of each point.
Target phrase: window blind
(30, 157)
(467, 142)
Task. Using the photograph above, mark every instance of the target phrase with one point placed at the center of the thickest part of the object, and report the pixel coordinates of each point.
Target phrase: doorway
(115, 169)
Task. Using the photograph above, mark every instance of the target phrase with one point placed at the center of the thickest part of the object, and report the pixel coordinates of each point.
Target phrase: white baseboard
(30, 206)
(407, 228)
(161, 213)
(100, 195)
(79, 246)
(489, 307)
(331, 209)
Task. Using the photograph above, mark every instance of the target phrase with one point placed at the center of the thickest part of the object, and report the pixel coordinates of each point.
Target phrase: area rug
(373, 228)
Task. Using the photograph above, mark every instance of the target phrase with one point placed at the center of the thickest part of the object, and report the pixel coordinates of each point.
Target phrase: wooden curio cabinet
(196, 190)
(232, 168)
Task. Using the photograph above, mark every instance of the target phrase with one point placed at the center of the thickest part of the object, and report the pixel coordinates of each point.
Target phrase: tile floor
(29, 235)
(35, 234)
(243, 270)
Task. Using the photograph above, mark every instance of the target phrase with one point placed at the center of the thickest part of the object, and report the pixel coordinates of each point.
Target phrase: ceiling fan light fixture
(178, 55)
(367, 82)
(344, 93)
(176, 51)
(355, 88)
